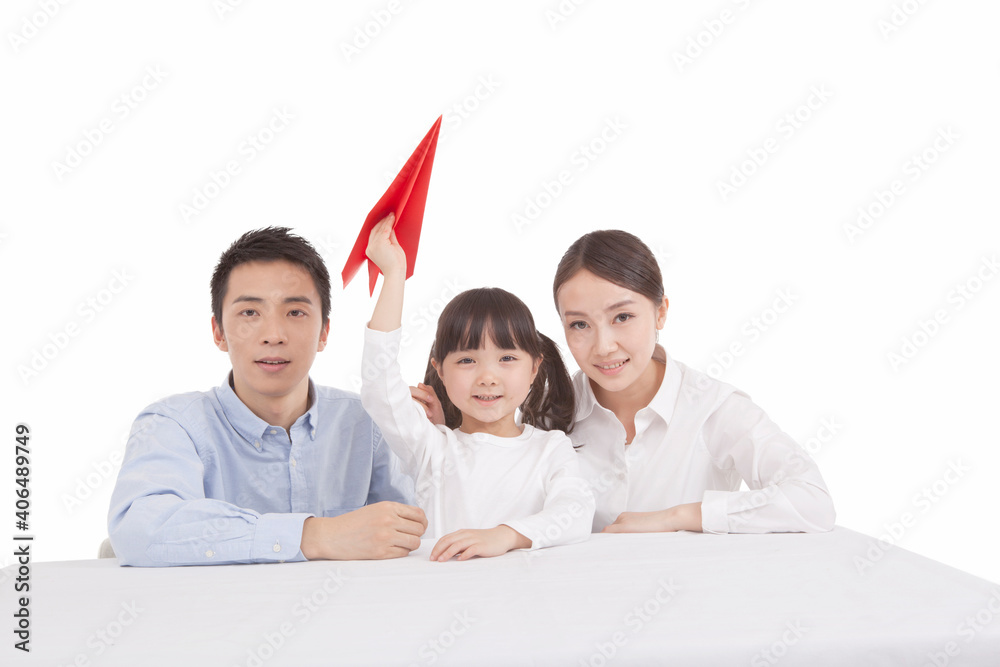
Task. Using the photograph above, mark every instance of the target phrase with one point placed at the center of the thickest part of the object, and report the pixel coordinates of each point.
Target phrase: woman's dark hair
(268, 245)
(476, 314)
(616, 256)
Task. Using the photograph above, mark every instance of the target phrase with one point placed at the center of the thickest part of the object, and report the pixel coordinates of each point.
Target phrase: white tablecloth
(838, 598)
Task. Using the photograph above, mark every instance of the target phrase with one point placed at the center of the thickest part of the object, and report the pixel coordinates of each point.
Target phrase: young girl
(486, 483)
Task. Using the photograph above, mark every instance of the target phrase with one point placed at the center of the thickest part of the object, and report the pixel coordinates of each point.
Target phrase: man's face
(272, 328)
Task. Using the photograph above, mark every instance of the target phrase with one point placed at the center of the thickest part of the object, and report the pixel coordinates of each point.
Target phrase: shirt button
(273, 431)
(257, 445)
(314, 433)
(209, 553)
(277, 548)
(293, 462)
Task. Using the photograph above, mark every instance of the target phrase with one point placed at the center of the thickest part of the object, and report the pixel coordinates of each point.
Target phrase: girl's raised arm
(388, 255)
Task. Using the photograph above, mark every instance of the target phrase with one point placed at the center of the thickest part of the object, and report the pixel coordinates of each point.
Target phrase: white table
(655, 599)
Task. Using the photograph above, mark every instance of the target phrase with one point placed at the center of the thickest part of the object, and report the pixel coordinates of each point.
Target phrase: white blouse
(694, 442)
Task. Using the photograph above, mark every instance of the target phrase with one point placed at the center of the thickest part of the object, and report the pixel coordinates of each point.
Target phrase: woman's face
(610, 330)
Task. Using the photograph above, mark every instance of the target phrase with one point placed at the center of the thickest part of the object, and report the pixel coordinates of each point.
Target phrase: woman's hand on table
(679, 517)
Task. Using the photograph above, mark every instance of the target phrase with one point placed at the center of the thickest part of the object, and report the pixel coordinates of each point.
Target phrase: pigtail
(452, 415)
(551, 403)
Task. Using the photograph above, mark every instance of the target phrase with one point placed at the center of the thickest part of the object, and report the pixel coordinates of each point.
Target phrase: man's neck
(280, 411)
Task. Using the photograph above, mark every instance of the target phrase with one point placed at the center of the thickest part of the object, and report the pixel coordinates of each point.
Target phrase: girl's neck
(502, 428)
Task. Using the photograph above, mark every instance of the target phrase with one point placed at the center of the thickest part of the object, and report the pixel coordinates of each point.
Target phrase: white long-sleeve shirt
(694, 442)
(531, 482)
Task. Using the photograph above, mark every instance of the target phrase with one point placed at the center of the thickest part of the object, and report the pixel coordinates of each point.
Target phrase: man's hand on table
(382, 530)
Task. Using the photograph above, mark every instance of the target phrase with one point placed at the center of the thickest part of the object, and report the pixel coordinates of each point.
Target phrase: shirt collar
(251, 427)
(662, 403)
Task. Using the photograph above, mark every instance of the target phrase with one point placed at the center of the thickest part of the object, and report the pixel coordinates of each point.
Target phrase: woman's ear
(661, 313)
(437, 369)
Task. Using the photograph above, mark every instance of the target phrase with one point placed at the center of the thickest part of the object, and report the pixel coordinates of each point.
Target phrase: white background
(522, 88)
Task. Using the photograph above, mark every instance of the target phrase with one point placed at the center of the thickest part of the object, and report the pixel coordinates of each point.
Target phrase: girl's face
(487, 385)
(611, 331)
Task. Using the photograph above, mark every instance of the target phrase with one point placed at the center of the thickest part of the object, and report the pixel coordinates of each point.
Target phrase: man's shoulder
(334, 395)
(341, 404)
(191, 404)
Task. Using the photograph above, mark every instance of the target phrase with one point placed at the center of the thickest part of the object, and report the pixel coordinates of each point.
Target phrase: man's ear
(219, 336)
(324, 333)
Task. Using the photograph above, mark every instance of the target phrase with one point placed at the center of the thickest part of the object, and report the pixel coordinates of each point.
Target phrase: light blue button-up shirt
(206, 481)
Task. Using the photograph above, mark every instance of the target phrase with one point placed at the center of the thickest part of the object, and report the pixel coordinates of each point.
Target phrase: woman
(664, 446)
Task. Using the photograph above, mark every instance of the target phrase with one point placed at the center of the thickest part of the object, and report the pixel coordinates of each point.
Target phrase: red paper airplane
(406, 198)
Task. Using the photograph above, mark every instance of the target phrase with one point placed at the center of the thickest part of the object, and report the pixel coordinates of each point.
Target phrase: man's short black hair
(268, 245)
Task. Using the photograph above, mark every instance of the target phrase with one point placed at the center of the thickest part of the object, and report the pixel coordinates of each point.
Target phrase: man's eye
(296, 313)
(250, 312)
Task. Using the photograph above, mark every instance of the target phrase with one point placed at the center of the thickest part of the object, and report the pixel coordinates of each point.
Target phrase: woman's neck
(628, 401)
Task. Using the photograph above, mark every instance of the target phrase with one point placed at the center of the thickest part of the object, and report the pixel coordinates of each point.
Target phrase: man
(268, 466)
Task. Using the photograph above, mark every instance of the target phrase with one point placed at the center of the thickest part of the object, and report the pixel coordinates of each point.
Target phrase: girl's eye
(578, 325)
(508, 357)
(623, 317)
(464, 360)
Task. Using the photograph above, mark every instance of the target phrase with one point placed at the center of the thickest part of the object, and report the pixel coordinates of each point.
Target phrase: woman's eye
(623, 317)
(578, 325)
